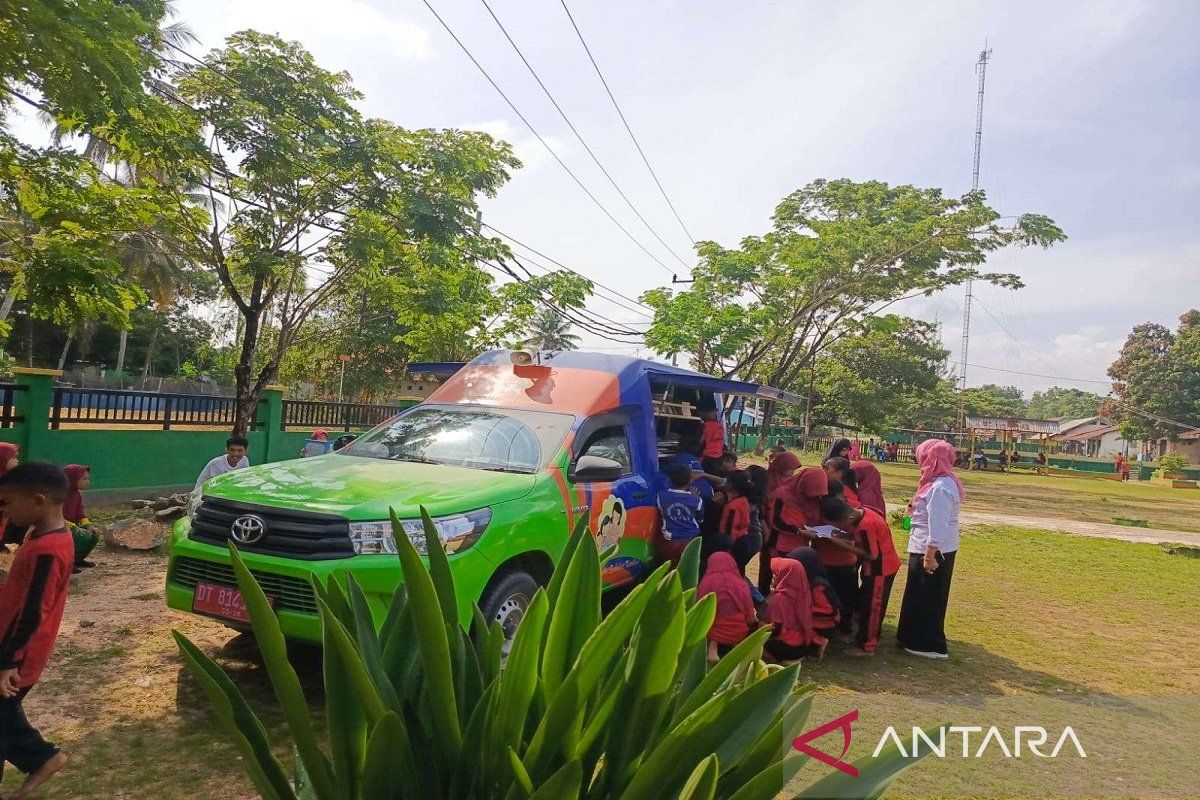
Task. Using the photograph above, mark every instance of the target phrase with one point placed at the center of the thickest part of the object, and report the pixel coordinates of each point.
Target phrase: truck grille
(294, 594)
(289, 533)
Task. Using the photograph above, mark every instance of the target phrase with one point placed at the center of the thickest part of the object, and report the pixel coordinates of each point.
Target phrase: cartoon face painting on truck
(505, 456)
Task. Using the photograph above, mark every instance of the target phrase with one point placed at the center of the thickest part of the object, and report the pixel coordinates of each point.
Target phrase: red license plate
(221, 601)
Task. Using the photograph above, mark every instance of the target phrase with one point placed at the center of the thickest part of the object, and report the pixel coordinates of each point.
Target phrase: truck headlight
(458, 532)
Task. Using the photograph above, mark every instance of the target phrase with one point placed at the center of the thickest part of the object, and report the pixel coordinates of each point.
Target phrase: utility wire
(1126, 406)
(504, 269)
(625, 122)
(579, 136)
(557, 263)
(542, 140)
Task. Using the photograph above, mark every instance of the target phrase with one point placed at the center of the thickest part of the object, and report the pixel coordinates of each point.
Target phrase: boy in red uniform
(32, 598)
(712, 434)
(880, 564)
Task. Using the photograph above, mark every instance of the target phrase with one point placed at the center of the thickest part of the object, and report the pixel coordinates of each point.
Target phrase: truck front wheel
(506, 600)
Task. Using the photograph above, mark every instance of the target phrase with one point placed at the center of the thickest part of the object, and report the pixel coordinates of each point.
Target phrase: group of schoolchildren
(84, 538)
(826, 559)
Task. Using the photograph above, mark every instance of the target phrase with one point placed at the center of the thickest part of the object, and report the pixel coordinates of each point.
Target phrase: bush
(1170, 464)
(625, 706)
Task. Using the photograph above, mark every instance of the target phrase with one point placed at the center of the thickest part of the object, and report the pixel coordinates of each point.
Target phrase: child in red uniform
(32, 598)
(877, 551)
(736, 616)
(826, 608)
(790, 611)
(712, 433)
(839, 469)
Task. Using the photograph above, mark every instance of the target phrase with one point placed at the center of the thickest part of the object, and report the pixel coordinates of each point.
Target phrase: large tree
(1156, 380)
(838, 251)
(1061, 402)
(309, 190)
(885, 365)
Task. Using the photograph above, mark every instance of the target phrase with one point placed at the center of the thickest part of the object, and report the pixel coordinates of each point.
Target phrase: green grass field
(1046, 629)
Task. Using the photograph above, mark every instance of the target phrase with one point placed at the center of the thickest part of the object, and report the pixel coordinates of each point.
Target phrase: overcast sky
(1090, 117)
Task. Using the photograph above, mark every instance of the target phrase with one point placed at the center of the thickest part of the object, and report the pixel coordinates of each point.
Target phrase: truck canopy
(576, 381)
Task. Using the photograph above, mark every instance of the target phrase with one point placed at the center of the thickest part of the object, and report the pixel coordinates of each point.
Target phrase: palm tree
(148, 261)
(550, 330)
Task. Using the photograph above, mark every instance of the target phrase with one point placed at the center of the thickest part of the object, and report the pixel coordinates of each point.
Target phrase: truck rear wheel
(506, 600)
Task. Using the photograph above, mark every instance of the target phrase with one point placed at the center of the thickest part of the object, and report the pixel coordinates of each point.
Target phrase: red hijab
(73, 505)
(7, 453)
(935, 457)
(320, 435)
(870, 486)
(723, 579)
(804, 490)
(790, 603)
(780, 469)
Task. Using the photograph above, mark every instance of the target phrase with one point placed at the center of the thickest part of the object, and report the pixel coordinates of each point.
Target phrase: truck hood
(365, 488)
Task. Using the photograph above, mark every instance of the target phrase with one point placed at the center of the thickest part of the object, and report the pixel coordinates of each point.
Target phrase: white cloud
(345, 32)
(525, 145)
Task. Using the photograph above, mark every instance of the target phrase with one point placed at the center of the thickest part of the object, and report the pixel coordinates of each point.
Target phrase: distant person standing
(855, 453)
(1123, 468)
(932, 547)
(234, 458)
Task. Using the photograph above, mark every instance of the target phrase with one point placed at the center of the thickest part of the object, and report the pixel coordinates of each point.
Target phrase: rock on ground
(134, 533)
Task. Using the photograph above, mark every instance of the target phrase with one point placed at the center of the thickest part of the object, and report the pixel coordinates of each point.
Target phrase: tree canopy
(1157, 379)
(838, 252)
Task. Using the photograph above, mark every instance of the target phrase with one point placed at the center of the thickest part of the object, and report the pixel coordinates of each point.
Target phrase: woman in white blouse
(932, 545)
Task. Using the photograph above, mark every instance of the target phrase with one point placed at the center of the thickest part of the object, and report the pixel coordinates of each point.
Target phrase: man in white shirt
(234, 458)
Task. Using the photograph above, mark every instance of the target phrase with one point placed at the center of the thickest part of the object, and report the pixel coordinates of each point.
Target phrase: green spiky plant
(624, 706)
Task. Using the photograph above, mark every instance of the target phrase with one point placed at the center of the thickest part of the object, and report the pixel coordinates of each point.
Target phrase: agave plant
(625, 706)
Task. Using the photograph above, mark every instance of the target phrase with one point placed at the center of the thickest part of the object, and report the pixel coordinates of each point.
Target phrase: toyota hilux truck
(506, 455)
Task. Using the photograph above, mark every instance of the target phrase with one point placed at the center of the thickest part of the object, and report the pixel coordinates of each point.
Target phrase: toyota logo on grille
(248, 529)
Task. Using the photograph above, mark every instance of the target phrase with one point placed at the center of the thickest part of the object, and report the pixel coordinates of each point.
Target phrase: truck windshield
(505, 439)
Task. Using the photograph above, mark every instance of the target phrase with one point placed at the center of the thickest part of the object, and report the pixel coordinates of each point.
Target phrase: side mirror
(596, 469)
(344, 440)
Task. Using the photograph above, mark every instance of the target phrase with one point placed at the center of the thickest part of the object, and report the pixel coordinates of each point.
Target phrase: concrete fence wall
(137, 459)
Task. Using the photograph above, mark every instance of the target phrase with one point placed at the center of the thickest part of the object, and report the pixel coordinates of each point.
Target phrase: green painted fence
(137, 459)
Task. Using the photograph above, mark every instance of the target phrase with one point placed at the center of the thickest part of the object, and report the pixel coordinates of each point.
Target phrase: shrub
(1170, 464)
(620, 707)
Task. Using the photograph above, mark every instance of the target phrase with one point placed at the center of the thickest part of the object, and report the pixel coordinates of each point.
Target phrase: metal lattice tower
(981, 69)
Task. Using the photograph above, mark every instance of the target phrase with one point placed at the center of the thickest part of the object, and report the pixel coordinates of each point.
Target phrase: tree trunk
(9, 298)
(62, 358)
(765, 433)
(150, 349)
(121, 352)
(247, 393)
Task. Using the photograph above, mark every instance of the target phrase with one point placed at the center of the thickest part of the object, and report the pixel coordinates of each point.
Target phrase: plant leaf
(702, 784)
(874, 772)
(243, 726)
(434, 647)
(291, 696)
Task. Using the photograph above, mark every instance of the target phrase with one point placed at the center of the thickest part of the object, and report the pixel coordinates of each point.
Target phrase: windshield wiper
(514, 470)
(414, 459)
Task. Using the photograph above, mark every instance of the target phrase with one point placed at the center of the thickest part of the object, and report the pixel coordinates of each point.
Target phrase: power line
(579, 136)
(540, 139)
(557, 263)
(584, 318)
(175, 98)
(625, 122)
(1038, 374)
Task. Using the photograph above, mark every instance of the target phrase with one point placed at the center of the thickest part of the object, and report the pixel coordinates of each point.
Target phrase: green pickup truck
(505, 456)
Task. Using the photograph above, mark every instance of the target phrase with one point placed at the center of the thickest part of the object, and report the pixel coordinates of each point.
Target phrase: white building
(1098, 437)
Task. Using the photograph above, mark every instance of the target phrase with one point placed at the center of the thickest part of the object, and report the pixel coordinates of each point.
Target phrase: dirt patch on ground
(116, 697)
